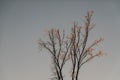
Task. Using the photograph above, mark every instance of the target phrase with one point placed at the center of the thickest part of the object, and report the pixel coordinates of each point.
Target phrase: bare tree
(58, 48)
(72, 47)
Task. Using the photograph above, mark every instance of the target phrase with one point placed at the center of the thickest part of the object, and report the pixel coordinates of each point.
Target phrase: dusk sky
(23, 22)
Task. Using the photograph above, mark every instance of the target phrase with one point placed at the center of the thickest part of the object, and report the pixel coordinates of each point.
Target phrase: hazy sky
(23, 22)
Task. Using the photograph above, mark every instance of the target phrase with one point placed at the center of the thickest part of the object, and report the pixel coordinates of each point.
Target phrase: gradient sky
(23, 22)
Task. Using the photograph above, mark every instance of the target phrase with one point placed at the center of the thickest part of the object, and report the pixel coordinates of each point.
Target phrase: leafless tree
(72, 47)
(58, 48)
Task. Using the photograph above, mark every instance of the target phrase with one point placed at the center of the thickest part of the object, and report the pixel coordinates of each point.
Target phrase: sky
(23, 22)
